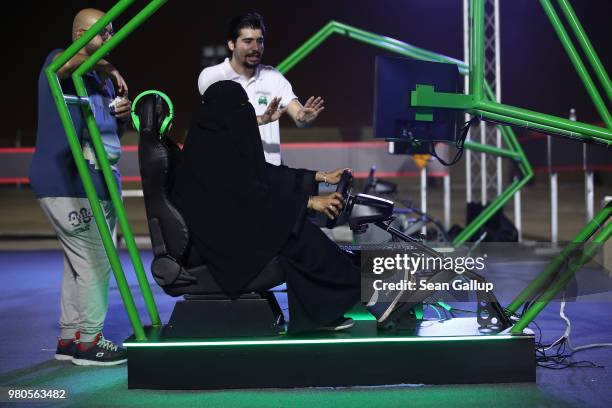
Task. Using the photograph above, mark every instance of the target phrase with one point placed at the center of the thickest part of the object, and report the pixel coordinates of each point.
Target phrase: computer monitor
(394, 117)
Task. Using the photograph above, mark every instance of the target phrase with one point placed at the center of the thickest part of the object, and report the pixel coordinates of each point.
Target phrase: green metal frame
(77, 153)
(556, 275)
(480, 101)
(513, 150)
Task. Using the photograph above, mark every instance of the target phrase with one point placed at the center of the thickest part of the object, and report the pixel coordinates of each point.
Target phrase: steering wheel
(343, 188)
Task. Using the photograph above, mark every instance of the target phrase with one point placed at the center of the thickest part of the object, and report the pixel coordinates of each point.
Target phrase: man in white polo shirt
(268, 90)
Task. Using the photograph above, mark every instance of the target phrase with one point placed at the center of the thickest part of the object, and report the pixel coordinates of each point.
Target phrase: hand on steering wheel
(333, 177)
(344, 185)
(330, 204)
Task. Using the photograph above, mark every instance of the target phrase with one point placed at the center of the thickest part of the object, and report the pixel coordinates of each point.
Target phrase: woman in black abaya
(242, 212)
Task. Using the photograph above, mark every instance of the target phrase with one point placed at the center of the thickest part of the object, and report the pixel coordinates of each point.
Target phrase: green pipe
(83, 169)
(573, 267)
(533, 119)
(424, 96)
(512, 142)
(539, 281)
(489, 211)
(496, 151)
(302, 51)
(587, 47)
(109, 178)
(531, 125)
(477, 50)
(408, 50)
(387, 43)
(396, 45)
(574, 57)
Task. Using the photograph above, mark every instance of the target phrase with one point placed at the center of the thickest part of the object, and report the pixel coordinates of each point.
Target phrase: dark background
(165, 52)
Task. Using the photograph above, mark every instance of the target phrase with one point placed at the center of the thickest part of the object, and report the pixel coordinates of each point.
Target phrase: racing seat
(177, 268)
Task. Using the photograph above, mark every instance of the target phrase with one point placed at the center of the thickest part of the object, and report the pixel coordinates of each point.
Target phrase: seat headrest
(163, 109)
(158, 159)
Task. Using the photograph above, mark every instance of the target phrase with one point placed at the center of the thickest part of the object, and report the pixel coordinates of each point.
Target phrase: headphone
(166, 123)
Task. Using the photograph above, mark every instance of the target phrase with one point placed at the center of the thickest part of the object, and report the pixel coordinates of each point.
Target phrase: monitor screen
(394, 117)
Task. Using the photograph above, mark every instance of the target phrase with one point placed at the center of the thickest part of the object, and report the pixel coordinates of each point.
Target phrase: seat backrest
(158, 158)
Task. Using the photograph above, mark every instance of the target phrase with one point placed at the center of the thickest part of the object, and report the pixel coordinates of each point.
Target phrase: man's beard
(252, 66)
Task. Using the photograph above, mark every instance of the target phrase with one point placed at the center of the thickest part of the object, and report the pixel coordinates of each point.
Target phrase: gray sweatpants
(84, 295)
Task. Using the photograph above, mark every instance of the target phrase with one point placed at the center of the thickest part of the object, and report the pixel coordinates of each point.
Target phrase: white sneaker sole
(63, 357)
(341, 327)
(395, 301)
(83, 362)
(344, 326)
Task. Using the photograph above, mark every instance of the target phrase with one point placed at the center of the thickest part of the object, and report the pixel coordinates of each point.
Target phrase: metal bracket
(425, 96)
(76, 100)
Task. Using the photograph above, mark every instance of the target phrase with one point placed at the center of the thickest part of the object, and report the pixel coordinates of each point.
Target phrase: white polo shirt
(266, 84)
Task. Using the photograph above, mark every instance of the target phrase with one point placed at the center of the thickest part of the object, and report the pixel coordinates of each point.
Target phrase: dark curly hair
(251, 19)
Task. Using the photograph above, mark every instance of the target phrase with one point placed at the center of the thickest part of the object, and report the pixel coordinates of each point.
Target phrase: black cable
(458, 144)
(556, 359)
(559, 359)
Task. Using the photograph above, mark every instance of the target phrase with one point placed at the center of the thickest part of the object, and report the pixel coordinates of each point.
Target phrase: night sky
(165, 53)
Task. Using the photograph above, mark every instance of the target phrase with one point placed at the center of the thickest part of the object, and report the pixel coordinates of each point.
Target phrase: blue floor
(29, 308)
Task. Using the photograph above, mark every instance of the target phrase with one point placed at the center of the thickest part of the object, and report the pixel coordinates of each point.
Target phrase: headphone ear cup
(135, 121)
(166, 122)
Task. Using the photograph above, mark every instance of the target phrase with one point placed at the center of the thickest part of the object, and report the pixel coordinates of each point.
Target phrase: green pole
(587, 47)
(109, 178)
(580, 130)
(573, 267)
(510, 139)
(408, 50)
(396, 46)
(477, 50)
(574, 57)
(83, 169)
(425, 96)
(489, 211)
(302, 51)
(489, 149)
(386, 43)
(539, 281)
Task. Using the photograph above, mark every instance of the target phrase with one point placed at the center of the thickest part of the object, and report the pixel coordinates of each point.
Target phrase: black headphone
(166, 122)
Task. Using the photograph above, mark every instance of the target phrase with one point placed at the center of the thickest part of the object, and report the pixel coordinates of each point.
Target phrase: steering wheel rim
(343, 188)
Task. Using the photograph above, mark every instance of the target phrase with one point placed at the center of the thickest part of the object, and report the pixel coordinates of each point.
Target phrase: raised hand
(310, 110)
(272, 112)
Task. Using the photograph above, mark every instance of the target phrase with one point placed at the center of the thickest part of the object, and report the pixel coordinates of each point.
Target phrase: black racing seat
(176, 266)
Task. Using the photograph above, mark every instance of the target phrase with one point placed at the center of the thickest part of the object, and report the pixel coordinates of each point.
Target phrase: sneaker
(383, 303)
(66, 348)
(342, 323)
(102, 352)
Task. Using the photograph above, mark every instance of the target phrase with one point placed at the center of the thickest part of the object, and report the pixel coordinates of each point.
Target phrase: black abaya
(241, 212)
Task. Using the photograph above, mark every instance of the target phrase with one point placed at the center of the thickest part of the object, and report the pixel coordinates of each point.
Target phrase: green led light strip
(322, 341)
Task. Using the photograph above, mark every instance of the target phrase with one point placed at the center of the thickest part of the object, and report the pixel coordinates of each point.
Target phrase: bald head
(83, 21)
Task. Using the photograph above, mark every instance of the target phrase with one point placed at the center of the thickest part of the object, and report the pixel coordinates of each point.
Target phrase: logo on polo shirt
(263, 100)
